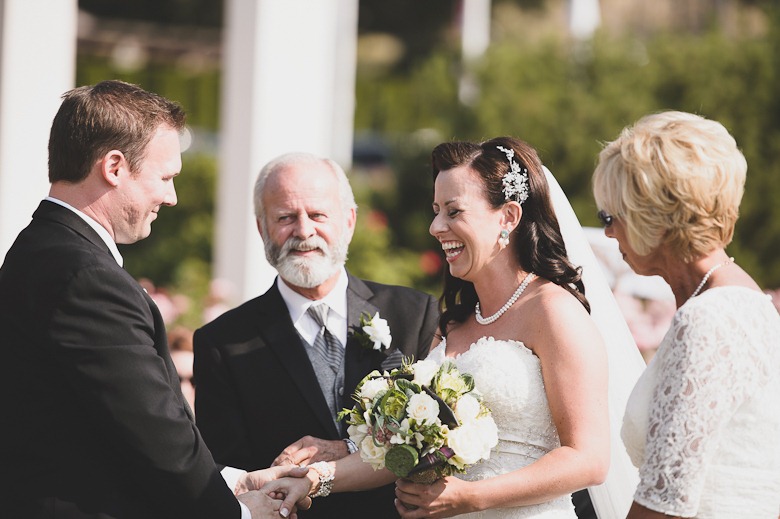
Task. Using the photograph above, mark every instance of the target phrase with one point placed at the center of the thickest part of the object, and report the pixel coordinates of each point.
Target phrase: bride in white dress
(515, 317)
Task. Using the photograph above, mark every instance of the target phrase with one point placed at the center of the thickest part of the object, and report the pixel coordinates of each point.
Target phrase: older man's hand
(309, 449)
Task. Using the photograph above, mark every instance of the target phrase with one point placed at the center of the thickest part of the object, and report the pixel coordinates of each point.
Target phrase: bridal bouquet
(421, 421)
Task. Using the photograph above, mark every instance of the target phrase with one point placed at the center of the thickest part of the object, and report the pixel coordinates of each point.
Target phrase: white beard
(311, 271)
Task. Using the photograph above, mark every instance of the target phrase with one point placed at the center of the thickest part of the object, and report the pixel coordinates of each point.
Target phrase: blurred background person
(180, 344)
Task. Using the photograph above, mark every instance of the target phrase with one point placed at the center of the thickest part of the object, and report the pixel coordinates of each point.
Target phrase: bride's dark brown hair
(537, 241)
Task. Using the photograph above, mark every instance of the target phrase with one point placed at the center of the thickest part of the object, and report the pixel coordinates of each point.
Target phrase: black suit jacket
(94, 422)
(256, 391)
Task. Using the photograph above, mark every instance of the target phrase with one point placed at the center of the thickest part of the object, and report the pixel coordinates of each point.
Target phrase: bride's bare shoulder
(553, 314)
(550, 301)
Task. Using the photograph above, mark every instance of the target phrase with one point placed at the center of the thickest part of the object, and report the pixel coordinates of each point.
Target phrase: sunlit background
(565, 76)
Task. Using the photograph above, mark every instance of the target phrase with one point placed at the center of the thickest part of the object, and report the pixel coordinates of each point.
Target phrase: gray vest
(332, 384)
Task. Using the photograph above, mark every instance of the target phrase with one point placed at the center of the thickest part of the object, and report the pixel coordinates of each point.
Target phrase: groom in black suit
(270, 361)
(94, 421)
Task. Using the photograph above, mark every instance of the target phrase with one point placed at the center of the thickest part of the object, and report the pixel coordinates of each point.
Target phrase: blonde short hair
(673, 177)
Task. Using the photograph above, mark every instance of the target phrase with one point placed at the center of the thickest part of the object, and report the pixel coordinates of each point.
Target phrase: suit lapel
(358, 361)
(161, 345)
(278, 332)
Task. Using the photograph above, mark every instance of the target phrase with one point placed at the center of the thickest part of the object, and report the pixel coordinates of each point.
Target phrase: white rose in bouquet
(488, 431)
(373, 386)
(472, 441)
(467, 409)
(424, 370)
(423, 409)
(357, 432)
(372, 453)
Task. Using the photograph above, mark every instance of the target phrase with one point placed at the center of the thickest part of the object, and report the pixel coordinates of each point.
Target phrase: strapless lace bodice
(509, 376)
(703, 421)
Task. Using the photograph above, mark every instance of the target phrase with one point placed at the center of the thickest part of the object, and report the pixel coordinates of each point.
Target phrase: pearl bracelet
(326, 474)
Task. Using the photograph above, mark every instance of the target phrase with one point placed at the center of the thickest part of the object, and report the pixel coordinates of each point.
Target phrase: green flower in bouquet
(451, 384)
(421, 418)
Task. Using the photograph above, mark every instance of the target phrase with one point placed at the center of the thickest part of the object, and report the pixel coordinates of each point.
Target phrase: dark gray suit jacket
(256, 391)
(94, 422)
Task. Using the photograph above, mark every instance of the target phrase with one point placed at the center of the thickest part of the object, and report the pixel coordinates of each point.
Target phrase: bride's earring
(503, 239)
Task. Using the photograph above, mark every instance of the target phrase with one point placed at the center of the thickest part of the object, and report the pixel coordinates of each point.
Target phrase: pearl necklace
(487, 320)
(707, 276)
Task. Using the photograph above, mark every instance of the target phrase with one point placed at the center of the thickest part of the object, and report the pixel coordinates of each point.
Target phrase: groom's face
(139, 195)
(305, 229)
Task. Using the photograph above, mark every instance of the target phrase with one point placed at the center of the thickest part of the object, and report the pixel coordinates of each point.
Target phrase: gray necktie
(326, 344)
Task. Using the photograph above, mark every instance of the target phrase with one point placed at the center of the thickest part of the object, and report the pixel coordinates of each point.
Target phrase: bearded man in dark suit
(273, 360)
(95, 422)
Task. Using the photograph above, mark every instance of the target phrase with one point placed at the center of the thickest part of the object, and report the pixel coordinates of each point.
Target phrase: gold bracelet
(326, 474)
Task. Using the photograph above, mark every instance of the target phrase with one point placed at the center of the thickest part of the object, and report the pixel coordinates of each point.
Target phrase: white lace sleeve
(707, 370)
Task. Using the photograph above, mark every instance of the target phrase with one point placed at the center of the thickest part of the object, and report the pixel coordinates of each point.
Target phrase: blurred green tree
(565, 99)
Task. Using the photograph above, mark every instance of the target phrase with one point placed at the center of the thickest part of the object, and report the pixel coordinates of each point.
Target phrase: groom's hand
(263, 506)
(257, 479)
(309, 449)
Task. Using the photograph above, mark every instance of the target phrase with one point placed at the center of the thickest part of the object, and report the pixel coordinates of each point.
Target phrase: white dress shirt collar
(102, 232)
(336, 300)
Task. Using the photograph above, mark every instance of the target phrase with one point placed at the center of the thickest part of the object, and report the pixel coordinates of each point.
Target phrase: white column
(475, 29)
(475, 39)
(37, 65)
(584, 18)
(288, 85)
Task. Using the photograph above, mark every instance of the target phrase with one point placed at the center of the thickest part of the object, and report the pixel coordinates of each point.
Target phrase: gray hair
(346, 197)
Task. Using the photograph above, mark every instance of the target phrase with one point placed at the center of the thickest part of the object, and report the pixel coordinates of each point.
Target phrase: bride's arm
(575, 372)
(353, 474)
(350, 474)
(574, 368)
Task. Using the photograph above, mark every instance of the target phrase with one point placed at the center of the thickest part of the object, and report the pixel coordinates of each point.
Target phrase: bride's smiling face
(464, 222)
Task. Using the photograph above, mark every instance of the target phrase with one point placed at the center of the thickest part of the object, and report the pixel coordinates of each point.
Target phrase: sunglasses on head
(605, 218)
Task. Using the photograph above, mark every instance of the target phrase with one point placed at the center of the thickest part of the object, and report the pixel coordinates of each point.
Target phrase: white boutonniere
(373, 332)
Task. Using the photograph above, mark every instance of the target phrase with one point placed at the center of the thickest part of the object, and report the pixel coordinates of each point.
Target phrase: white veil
(613, 498)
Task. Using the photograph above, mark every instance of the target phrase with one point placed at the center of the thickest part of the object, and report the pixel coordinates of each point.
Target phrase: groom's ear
(512, 213)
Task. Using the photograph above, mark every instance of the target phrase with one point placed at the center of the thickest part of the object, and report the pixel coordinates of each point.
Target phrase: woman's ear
(512, 212)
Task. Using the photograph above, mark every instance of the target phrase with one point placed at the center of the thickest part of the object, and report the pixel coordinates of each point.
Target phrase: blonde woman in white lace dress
(703, 422)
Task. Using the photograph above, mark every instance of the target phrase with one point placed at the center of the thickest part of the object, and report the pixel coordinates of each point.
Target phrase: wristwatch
(351, 447)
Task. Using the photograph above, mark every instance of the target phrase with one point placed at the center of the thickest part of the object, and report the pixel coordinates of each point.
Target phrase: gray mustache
(315, 242)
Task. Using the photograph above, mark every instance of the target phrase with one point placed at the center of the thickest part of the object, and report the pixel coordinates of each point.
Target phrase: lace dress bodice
(509, 376)
(703, 421)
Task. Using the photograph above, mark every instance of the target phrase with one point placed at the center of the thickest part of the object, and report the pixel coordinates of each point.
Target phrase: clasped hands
(290, 482)
(276, 501)
(291, 486)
